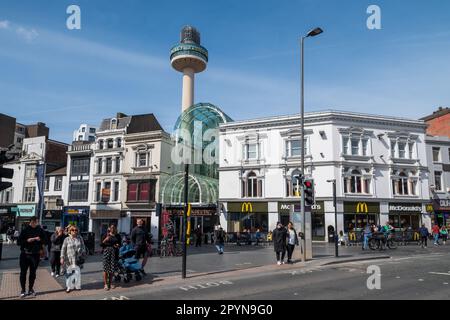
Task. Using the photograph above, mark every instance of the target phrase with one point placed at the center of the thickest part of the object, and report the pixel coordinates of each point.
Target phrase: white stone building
(379, 163)
(84, 133)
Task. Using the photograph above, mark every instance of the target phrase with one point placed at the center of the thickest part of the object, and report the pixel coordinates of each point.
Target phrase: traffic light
(308, 187)
(7, 174)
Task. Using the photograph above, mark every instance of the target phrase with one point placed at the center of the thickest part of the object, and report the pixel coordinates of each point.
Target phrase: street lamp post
(311, 33)
(335, 217)
(186, 190)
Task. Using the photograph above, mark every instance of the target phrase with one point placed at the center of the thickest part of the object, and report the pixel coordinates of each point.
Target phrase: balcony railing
(81, 147)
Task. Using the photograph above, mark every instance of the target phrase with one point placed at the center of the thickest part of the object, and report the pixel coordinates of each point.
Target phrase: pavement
(203, 264)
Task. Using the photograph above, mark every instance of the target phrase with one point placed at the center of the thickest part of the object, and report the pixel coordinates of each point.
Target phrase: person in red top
(435, 231)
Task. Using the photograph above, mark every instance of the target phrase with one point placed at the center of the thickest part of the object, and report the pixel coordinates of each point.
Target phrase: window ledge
(358, 195)
(297, 158)
(405, 196)
(401, 160)
(355, 157)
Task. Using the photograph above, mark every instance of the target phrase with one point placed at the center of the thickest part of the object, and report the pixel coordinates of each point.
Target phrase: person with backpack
(219, 239)
(423, 231)
(31, 241)
(279, 236)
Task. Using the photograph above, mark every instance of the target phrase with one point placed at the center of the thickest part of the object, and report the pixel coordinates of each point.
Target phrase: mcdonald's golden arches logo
(362, 207)
(429, 207)
(247, 207)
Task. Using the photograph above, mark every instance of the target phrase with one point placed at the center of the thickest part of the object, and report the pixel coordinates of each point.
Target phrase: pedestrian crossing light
(308, 186)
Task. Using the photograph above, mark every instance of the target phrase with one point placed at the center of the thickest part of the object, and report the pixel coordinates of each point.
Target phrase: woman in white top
(292, 241)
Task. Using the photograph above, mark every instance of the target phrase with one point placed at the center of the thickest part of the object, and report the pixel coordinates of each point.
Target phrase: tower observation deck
(188, 57)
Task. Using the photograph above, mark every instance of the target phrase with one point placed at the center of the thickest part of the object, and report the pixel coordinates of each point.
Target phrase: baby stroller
(128, 264)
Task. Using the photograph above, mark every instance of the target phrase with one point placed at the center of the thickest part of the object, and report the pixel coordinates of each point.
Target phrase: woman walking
(72, 252)
(444, 234)
(57, 240)
(292, 241)
(279, 242)
(111, 245)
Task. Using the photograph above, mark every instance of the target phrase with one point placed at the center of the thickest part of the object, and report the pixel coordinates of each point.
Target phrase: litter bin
(330, 234)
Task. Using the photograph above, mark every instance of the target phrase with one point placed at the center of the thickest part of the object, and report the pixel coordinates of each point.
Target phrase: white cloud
(27, 34)
(4, 24)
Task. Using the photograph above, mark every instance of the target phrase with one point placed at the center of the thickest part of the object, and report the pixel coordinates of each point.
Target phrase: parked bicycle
(169, 249)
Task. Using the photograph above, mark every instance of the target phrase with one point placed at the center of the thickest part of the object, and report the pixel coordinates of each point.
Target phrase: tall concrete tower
(190, 58)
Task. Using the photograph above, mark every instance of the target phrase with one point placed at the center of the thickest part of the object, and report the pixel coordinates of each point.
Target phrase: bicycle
(169, 249)
(378, 240)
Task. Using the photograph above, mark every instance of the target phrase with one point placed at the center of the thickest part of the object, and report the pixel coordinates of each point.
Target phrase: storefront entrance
(247, 217)
(358, 214)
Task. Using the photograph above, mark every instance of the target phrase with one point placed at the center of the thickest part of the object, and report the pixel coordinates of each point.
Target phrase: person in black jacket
(31, 242)
(57, 240)
(140, 240)
(279, 242)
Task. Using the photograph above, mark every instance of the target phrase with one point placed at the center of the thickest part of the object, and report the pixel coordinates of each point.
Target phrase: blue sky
(119, 60)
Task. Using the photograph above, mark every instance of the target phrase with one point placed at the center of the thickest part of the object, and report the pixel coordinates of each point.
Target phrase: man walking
(198, 236)
(219, 239)
(140, 240)
(31, 241)
(423, 236)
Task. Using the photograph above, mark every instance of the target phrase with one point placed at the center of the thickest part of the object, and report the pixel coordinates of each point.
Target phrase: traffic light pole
(186, 180)
(335, 220)
(302, 143)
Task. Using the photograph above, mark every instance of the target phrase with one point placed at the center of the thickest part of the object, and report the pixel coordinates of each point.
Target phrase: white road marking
(296, 294)
(445, 283)
(420, 279)
(445, 274)
(397, 277)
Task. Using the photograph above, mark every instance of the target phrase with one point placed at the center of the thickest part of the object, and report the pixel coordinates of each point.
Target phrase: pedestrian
(435, 231)
(444, 234)
(367, 234)
(73, 252)
(10, 235)
(31, 242)
(423, 236)
(198, 235)
(57, 240)
(219, 239)
(140, 240)
(292, 241)
(279, 242)
(16, 236)
(111, 245)
(258, 236)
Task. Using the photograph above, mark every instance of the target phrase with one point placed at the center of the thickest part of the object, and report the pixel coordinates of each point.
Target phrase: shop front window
(238, 222)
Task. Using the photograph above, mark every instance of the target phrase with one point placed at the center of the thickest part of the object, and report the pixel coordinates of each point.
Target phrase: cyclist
(387, 231)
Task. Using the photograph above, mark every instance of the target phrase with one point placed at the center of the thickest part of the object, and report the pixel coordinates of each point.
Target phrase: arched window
(100, 144)
(251, 186)
(110, 143)
(403, 184)
(293, 186)
(354, 183)
(119, 142)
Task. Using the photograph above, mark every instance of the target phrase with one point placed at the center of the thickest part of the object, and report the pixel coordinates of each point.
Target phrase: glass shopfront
(358, 214)
(405, 216)
(247, 216)
(317, 217)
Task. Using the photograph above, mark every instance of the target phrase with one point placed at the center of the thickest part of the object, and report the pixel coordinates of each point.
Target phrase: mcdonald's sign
(247, 207)
(361, 207)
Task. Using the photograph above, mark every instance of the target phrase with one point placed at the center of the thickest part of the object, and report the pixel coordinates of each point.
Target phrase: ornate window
(251, 186)
(404, 183)
(293, 185)
(357, 181)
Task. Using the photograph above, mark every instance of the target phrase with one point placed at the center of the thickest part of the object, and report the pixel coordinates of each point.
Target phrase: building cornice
(337, 117)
